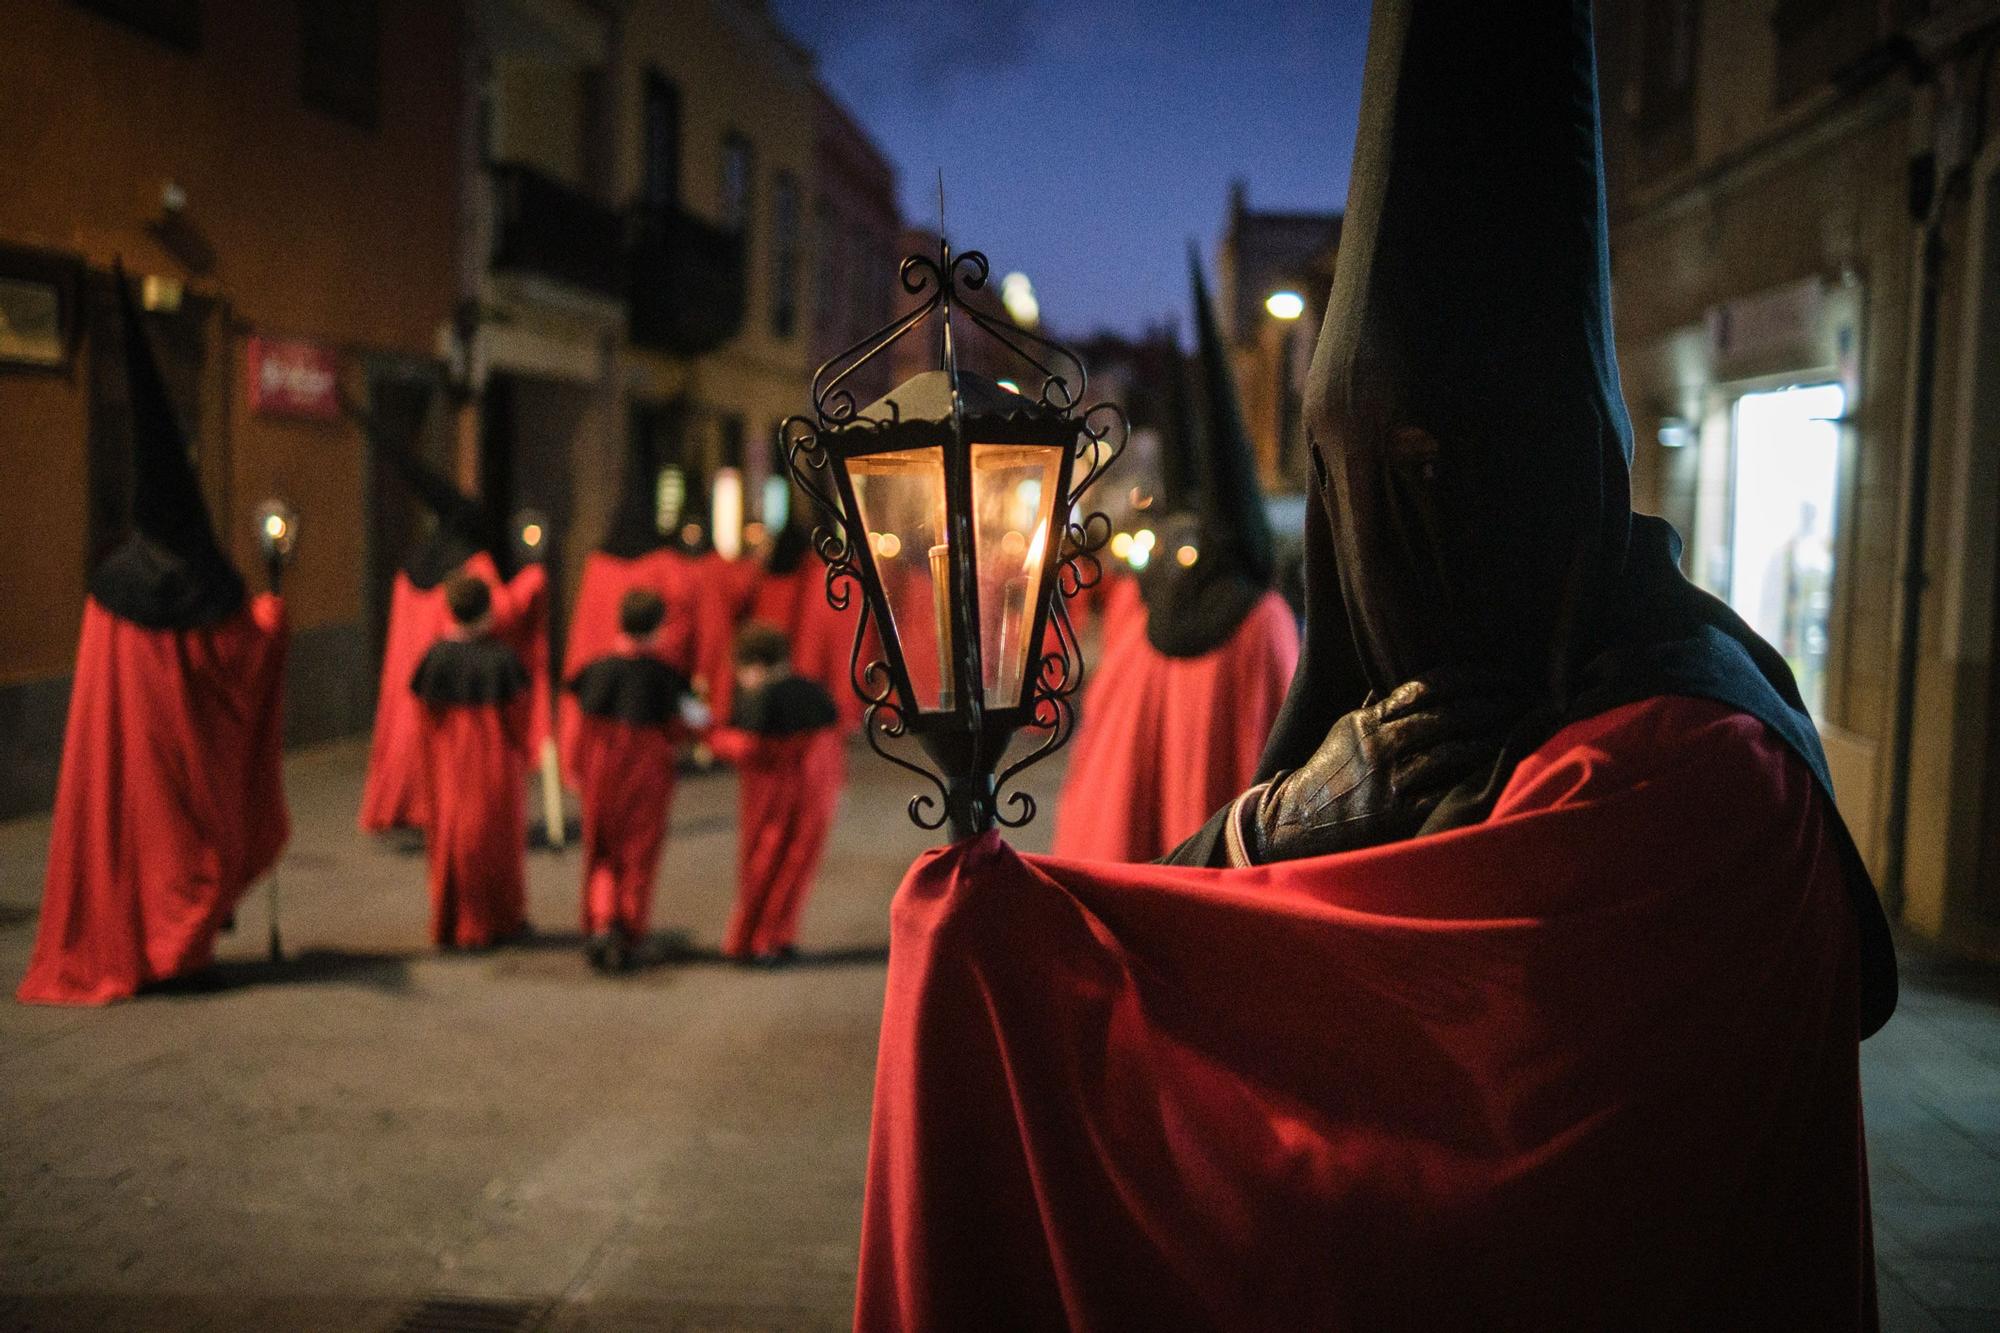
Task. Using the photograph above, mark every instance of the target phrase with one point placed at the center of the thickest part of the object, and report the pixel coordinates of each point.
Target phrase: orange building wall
(319, 228)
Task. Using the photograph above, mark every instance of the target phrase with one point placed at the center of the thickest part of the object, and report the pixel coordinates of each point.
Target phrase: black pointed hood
(794, 540)
(1463, 399)
(1180, 451)
(1470, 445)
(635, 522)
(1194, 609)
(462, 528)
(170, 572)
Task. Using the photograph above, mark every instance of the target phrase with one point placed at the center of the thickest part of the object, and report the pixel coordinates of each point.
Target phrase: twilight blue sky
(1084, 141)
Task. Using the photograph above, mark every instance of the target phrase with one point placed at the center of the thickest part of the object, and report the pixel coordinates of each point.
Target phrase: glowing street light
(1285, 305)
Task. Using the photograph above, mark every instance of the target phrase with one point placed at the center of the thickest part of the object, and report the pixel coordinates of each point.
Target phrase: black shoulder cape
(482, 671)
(631, 688)
(786, 707)
(144, 583)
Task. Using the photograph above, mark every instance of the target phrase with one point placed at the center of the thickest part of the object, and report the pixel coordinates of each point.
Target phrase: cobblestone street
(330, 1143)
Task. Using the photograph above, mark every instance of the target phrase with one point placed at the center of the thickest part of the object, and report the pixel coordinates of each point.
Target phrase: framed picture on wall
(38, 302)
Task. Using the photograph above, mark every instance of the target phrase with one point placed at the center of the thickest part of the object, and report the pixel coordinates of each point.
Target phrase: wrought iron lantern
(952, 505)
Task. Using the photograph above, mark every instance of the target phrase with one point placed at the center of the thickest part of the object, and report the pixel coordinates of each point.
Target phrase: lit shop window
(1783, 489)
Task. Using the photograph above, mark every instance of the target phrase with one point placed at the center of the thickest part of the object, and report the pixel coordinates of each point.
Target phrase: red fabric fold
(474, 759)
(171, 801)
(393, 795)
(1165, 742)
(789, 789)
(1591, 1064)
(626, 774)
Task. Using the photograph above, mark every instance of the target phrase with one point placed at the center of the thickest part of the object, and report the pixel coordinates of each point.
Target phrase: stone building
(1823, 430)
(1273, 273)
(271, 173)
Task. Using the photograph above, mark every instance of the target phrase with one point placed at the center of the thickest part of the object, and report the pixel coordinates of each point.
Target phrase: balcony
(687, 282)
(545, 228)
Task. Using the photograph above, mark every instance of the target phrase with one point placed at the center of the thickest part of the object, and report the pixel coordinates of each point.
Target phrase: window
(175, 22)
(1816, 38)
(826, 267)
(1667, 55)
(340, 58)
(735, 200)
(1783, 487)
(784, 254)
(662, 185)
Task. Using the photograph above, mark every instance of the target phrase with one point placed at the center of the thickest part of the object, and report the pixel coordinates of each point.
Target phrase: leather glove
(1380, 772)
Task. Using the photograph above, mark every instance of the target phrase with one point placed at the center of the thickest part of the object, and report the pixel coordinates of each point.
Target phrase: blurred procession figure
(464, 541)
(171, 801)
(1175, 717)
(790, 593)
(634, 710)
(1525, 989)
(786, 740)
(475, 728)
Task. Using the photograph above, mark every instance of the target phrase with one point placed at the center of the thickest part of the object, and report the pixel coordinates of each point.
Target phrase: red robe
(474, 756)
(788, 790)
(393, 795)
(722, 590)
(593, 627)
(628, 734)
(171, 802)
(1165, 742)
(1590, 1064)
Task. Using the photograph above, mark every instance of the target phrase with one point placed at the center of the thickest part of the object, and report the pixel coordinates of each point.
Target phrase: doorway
(1783, 486)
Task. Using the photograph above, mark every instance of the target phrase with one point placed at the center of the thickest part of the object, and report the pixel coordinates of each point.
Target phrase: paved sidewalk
(323, 1145)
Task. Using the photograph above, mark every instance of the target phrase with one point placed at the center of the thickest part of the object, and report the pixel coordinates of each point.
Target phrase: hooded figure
(790, 593)
(1582, 1056)
(1176, 712)
(633, 555)
(171, 801)
(462, 540)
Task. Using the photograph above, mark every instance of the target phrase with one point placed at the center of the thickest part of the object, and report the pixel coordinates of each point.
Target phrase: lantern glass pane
(1013, 497)
(900, 496)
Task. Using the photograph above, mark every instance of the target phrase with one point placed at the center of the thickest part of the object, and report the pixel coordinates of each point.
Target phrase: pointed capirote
(1463, 403)
(1234, 523)
(170, 572)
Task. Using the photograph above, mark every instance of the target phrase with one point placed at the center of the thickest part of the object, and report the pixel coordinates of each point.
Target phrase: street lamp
(951, 503)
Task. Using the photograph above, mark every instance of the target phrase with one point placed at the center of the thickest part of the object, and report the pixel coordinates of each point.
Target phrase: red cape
(394, 795)
(473, 759)
(171, 801)
(1165, 742)
(789, 790)
(593, 627)
(626, 774)
(1591, 1064)
(822, 638)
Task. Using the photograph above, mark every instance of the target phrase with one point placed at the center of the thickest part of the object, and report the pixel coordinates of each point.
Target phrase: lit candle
(1013, 614)
(941, 608)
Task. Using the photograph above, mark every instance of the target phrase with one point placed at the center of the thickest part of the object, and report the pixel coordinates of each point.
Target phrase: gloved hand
(1380, 772)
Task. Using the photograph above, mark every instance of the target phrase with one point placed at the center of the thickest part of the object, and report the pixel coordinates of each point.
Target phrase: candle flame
(1035, 549)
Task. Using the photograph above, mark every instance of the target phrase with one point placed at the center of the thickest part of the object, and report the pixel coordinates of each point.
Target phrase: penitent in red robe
(628, 732)
(394, 794)
(721, 589)
(790, 752)
(593, 627)
(475, 711)
(822, 637)
(1164, 742)
(1591, 1064)
(171, 802)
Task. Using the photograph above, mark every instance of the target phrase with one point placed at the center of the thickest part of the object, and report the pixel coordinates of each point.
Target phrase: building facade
(1815, 418)
(294, 244)
(1273, 273)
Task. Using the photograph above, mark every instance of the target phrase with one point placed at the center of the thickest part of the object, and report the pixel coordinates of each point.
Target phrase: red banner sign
(290, 377)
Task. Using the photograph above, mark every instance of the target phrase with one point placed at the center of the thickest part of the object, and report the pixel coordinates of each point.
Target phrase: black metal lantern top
(952, 503)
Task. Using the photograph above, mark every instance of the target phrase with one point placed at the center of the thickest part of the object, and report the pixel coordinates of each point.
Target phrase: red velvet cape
(1591, 1064)
(1165, 742)
(789, 789)
(593, 627)
(473, 760)
(170, 804)
(626, 775)
(393, 795)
